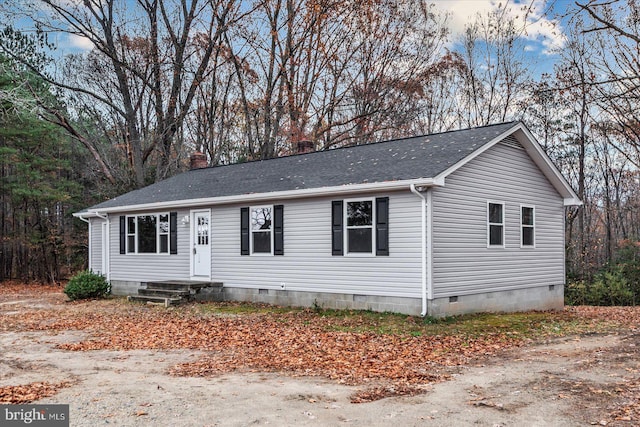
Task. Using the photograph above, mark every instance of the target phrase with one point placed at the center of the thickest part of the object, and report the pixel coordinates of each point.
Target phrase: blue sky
(542, 32)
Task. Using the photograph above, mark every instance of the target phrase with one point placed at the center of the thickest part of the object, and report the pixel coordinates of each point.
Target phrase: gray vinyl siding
(148, 267)
(96, 245)
(307, 263)
(462, 263)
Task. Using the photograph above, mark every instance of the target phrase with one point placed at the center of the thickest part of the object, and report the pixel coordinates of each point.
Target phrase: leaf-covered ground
(392, 354)
(27, 393)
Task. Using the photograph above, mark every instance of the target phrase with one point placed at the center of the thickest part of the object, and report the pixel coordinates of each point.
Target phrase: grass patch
(528, 325)
(243, 308)
(518, 326)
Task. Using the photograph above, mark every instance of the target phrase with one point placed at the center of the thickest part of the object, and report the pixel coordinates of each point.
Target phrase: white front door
(200, 242)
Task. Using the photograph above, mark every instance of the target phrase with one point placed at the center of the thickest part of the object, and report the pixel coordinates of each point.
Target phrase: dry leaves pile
(298, 343)
(295, 342)
(626, 316)
(29, 392)
(9, 290)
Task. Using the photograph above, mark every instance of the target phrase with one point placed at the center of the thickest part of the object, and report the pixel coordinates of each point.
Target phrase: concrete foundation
(325, 300)
(538, 298)
(124, 288)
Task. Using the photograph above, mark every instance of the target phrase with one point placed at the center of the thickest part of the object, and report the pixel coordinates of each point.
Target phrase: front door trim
(194, 246)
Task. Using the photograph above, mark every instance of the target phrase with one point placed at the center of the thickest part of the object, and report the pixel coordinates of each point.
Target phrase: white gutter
(275, 195)
(81, 218)
(423, 245)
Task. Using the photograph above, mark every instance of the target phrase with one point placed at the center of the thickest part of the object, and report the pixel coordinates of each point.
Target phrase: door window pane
(203, 230)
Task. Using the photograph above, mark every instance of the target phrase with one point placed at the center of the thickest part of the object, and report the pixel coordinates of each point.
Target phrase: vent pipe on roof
(198, 160)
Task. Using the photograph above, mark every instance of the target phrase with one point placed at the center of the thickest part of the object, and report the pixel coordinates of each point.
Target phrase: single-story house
(463, 221)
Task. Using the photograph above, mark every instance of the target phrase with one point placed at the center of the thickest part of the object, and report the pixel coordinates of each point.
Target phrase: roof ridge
(401, 159)
(357, 146)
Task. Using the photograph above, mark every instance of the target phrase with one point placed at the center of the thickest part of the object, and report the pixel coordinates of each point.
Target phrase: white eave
(275, 195)
(537, 154)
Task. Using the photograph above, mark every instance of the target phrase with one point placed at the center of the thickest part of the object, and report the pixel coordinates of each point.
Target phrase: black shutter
(382, 226)
(123, 235)
(337, 229)
(244, 231)
(173, 233)
(278, 230)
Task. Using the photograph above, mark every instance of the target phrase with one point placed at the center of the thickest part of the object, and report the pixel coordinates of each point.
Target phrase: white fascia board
(84, 215)
(537, 154)
(276, 195)
(572, 201)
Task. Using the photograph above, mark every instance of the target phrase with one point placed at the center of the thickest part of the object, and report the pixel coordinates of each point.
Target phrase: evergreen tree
(38, 187)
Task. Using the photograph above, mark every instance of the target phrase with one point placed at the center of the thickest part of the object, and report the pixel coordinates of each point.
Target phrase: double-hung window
(359, 216)
(261, 230)
(495, 224)
(148, 234)
(360, 226)
(527, 226)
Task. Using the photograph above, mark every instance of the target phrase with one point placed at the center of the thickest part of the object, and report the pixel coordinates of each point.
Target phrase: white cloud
(538, 28)
(79, 42)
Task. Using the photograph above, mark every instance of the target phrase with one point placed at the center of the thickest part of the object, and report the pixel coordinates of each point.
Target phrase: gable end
(511, 141)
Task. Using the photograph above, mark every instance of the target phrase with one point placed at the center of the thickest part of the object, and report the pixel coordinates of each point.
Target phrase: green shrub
(609, 287)
(87, 284)
(575, 293)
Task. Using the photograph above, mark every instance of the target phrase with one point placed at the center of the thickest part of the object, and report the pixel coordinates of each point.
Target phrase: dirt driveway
(572, 381)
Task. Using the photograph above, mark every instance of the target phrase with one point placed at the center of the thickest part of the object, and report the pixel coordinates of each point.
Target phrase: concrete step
(181, 285)
(165, 293)
(155, 300)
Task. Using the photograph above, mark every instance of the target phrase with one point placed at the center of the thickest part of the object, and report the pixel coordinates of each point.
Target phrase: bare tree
(614, 28)
(495, 68)
(331, 72)
(143, 72)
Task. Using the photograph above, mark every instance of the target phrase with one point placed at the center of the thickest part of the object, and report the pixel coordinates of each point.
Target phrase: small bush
(87, 284)
(609, 288)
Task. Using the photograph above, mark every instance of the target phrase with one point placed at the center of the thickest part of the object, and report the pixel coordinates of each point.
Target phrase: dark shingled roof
(400, 159)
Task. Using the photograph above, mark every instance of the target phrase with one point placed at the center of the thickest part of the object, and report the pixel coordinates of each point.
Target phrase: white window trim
(346, 227)
(159, 234)
(135, 235)
(522, 226)
(489, 224)
(251, 231)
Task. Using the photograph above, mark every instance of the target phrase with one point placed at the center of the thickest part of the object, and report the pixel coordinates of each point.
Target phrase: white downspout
(429, 221)
(108, 245)
(423, 245)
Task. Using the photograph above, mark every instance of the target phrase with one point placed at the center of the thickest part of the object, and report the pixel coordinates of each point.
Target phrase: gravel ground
(564, 382)
(131, 388)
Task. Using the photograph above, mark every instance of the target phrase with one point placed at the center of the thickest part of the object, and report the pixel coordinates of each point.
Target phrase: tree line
(248, 80)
